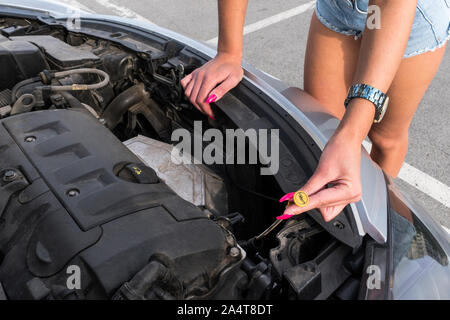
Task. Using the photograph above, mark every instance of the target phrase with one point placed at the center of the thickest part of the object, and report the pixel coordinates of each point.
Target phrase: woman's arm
(379, 59)
(215, 78)
(231, 26)
(380, 56)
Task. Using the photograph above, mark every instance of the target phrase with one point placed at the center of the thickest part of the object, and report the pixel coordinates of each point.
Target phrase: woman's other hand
(211, 81)
(336, 181)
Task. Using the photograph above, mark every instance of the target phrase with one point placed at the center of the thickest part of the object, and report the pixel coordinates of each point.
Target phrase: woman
(398, 58)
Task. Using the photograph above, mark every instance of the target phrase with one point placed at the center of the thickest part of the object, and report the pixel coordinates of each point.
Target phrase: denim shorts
(430, 30)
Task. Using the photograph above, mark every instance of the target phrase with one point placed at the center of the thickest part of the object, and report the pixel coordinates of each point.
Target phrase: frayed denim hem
(429, 49)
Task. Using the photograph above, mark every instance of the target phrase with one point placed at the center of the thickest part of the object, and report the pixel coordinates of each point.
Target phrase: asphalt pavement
(276, 42)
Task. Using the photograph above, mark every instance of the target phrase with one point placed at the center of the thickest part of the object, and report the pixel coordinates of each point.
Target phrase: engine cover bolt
(339, 225)
(10, 175)
(30, 139)
(235, 252)
(73, 192)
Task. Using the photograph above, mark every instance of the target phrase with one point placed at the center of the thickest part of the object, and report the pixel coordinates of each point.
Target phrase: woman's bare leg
(330, 65)
(390, 136)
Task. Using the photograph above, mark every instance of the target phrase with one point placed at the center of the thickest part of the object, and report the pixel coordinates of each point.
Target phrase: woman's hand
(211, 81)
(339, 169)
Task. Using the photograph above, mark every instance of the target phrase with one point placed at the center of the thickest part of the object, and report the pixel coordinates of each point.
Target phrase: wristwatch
(377, 97)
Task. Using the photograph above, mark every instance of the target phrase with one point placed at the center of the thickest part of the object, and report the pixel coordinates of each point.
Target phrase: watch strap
(365, 91)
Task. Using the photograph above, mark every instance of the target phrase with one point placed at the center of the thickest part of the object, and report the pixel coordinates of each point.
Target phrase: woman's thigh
(405, 93)
(330, 64)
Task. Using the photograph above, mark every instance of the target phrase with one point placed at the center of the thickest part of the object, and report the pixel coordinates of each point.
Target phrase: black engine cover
(62, 203)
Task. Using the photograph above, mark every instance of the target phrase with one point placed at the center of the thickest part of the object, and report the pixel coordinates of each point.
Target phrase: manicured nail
(288, 196)
(284, 217)
(211, 117)
(211, 98)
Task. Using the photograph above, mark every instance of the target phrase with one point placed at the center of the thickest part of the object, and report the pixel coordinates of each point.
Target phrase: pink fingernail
(284, 217)
(211, 117)
(288, 196)
(211, 98)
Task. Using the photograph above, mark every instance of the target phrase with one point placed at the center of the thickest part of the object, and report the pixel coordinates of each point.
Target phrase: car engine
(85, 138)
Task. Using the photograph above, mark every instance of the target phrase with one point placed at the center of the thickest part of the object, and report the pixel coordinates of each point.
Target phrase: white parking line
(446, 229)
(425, 183)
(75, 4)
(422, 181)
(122, 11)
(272, 20)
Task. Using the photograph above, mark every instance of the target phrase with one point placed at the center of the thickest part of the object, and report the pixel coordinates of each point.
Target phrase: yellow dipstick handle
(301, 199)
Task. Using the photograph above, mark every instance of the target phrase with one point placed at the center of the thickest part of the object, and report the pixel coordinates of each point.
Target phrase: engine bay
(86, 181)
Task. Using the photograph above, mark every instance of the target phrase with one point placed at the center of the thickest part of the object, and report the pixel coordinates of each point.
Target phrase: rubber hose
(138, 286)
(72, 101)
(76, 104)
(75, 86)
(119, 106)
(20, 85)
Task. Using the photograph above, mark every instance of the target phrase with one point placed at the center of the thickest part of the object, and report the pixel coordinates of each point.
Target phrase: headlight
(418, 265)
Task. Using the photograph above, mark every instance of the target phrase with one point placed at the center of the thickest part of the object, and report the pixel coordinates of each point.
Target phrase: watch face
(383, 110)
